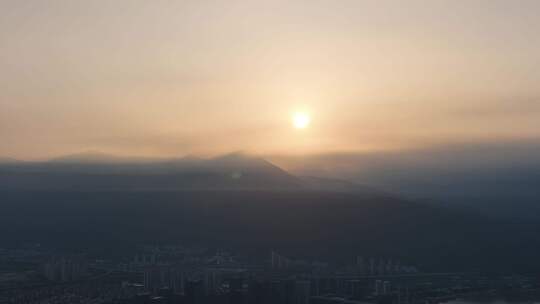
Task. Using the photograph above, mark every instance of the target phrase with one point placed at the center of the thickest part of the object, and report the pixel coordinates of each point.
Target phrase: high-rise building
(194, 291)
(389, 268)
(211, 280)
(355, 288)
(372, 266)
(278, 261)
(378, 287)
(65, 268)
(386, 287)
(315, 286)
(397, 267)
(302, 292)
(160, 276)
(360, 265)
(381, 267)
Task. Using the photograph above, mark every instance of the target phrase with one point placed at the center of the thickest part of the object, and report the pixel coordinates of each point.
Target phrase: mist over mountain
(101, 171)
(246, 202)
(492, 179)
(496, 179)
(97, 157)
(8, 160)
(98, 171)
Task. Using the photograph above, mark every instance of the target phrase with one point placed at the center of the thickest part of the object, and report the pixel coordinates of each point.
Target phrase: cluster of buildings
(382, 267)
(177, 275)
(221, 278)
(66, 268)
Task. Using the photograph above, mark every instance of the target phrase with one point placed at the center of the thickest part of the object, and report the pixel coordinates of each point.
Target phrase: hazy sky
(175, 77)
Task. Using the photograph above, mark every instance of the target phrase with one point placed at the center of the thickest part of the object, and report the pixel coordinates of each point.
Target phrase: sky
(170, 78)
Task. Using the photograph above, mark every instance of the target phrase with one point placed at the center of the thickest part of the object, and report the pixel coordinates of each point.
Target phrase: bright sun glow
(301, 120)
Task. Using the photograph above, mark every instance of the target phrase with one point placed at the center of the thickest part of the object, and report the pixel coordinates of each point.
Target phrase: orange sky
(164, 78)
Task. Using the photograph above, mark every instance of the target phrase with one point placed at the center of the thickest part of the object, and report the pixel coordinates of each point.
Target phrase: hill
(103, 172)
(322, 225)
(98, 171)
(247, 203)
(8, 160)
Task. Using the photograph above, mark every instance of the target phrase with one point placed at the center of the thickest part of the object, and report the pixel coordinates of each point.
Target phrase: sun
(301, 120)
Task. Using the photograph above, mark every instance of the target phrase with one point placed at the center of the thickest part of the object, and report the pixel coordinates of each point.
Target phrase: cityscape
(178, 274)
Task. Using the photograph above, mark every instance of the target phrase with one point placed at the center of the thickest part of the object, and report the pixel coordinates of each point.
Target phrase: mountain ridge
(100, 171)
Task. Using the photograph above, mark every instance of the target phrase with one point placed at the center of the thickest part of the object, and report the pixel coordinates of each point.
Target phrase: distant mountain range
(111, 204)
(499, 179)
(490, 180)
(98, 171)
(8, 160)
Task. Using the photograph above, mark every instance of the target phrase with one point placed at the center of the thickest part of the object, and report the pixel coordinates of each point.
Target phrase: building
(65, 269)
(386, 287)
(302, 292)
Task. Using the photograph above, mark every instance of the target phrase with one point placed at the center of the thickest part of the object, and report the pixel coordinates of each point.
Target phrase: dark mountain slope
(102, 172)
(326, 225)
(114, 206)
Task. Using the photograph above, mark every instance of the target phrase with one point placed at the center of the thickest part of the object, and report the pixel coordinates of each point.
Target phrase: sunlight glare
(301, 120)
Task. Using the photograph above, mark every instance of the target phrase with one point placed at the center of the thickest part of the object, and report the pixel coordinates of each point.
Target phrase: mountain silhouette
(243, 201)
(97, 157)
(8, 160)
(98, 171)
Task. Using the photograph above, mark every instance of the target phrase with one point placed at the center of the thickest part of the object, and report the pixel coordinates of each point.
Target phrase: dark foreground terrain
(336, 226)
